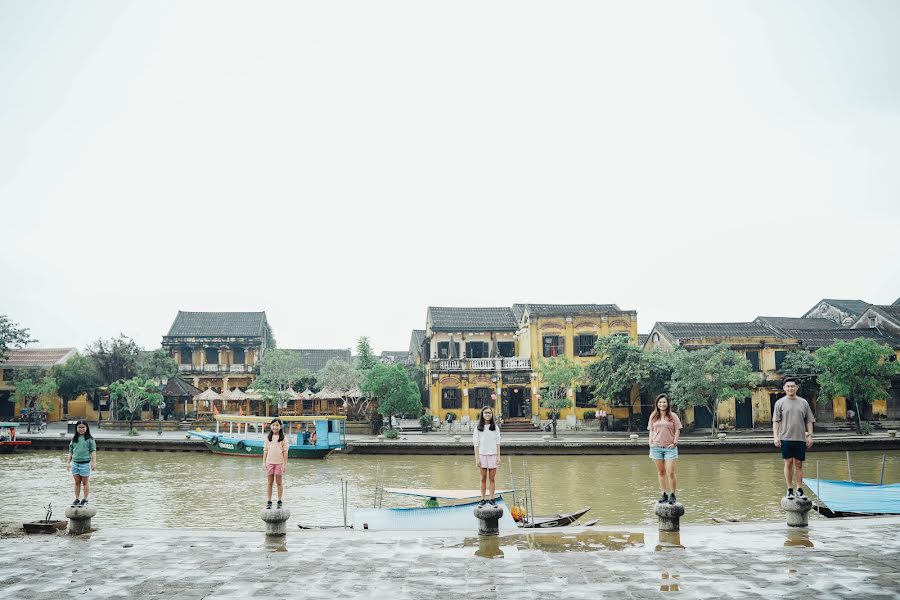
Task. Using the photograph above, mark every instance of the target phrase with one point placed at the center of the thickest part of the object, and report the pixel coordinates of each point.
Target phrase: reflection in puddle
(798, 538)
(489, 547)
(276, 543)
(669, 581)
(669, 540)
(584, 541)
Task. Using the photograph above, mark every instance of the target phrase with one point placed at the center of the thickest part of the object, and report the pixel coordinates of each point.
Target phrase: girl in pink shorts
(486, 439)
(275, 453)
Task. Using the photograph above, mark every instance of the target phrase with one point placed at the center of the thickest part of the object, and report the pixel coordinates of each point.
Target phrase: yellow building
(765, 348)
(478, 357)
(40, 360)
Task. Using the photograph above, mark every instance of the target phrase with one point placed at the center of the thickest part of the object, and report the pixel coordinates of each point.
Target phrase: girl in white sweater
(486, 439)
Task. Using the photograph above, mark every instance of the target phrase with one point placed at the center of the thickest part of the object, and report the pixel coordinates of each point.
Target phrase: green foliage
(338, 376)
(116, 358)
(620, 366)
(365, 357)
(859, 370)
(134, 394)
(557, 374)
(278, 371)
(391, 434)
(35, 393)
(158, 366)
(660, 365)
(803, 365)
(426, 422)
(392, 387)
(12, 336)
(705, 377)
(77, 375)
(451, 416)
(866, 428)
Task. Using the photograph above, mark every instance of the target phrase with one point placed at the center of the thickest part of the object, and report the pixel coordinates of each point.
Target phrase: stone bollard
(797, 511)
(80, 519)
(276, 520)
(669, 516)
(488, 519)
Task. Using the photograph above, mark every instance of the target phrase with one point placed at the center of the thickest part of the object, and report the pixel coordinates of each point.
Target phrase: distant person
(601, 417)
(665, 429)
(610, 419)
(82, 459)
(792, 427)
(486, 440)
(851, 415)
(312, 436)
(275, 454)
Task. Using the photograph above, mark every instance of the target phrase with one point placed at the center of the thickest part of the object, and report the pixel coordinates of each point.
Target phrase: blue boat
(853, 498)
(247, 441)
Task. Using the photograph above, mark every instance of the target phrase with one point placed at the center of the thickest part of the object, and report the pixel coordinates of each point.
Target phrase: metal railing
(481, 364)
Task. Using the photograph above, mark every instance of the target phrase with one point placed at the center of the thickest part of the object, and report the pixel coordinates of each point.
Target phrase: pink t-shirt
(275, 451)
(662, 431)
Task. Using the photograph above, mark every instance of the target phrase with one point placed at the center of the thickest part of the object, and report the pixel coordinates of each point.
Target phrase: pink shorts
(489, 461)
(274, 469)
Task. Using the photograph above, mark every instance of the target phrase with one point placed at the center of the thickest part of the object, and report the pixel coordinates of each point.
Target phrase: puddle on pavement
(668, 541)
(587, 541)
(798, 538)
(669, 582)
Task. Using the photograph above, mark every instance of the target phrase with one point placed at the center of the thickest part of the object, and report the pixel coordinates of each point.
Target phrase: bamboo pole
(883, 456)
(849, 474)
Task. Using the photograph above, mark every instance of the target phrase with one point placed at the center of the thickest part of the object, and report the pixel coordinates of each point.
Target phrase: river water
(150, 489)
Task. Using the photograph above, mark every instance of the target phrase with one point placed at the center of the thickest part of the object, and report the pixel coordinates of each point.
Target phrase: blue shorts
(660, 453)
(83, 469)
(793, 449)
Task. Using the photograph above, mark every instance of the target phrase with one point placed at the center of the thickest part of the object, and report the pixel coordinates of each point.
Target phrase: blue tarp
(852, 496)
(458, 516)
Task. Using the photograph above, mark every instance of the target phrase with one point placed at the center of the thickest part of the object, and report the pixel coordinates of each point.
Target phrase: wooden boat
(454, 516)
(8, 441)
(247, 441)
(854, 499)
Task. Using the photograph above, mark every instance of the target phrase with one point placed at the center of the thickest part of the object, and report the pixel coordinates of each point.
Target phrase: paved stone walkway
(858, 558)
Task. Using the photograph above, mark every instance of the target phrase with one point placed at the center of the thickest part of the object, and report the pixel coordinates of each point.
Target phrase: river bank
(855, 558)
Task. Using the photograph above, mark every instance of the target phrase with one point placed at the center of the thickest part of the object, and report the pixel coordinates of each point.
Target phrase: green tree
(804, 365)
(557, 374)
(703, 378)
(278, 371)
(158, 366)
(116, 358)
(134, 394)
(76, 376)
(859, 370)
(12, 336)
(396, 393)
(35, 394)
(365, 356)
(339, 376)
(620, 366)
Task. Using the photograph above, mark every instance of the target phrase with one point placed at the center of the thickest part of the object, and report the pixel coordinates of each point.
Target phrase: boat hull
(226, 446)
(10, 447)
(561, 520)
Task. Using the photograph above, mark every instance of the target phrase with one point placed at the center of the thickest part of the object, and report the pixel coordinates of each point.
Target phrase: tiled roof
(897, 302)
(796, 323)
(394, 355)
(444, 318)
(564, 310)
(179, 388)
(314, 359)
(853, 307)
(814, 339)
(218, 324)
(891, 310)
(36, 358)
(689, 331)
(642, 338)
(417, 337)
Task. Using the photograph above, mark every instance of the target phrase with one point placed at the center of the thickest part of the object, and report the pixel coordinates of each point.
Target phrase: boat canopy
(285, 419)
(10, 424)
(856, 497)
(444, 494)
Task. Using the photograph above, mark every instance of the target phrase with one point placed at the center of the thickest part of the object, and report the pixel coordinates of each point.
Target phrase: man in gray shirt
(792, 426)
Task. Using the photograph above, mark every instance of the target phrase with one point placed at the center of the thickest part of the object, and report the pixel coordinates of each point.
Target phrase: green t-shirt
(81, 450)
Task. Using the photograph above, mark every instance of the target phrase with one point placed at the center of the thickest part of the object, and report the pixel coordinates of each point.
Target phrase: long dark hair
(280, 431)
(658, 414)
(481, 420)
(87, 433)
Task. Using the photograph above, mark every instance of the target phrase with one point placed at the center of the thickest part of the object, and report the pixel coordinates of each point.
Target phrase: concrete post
(669, 516)
(797, 511)
(80, 519)
(488, 519)
(276, 520)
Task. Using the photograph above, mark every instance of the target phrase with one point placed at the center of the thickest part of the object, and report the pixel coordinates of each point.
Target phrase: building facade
(30, 359)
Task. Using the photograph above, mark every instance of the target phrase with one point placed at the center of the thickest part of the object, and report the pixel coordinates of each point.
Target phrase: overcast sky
(344, 165)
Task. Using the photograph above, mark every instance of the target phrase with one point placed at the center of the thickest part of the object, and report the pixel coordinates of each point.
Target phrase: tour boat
(854, 498)
(8, 441)
(244, 436)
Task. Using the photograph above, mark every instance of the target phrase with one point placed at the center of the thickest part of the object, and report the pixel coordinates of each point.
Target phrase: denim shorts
(660, 453)
(83, 469)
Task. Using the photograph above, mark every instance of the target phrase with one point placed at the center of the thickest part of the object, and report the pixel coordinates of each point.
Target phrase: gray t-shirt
(793, 416)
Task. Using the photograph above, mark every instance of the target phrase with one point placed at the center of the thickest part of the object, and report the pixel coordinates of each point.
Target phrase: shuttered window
(480, 397)
(753, 357)
(584, 397)
(450, 399)
(585, 344)
(506, 349)
(476, 350)
(779, 358)
(554, 345)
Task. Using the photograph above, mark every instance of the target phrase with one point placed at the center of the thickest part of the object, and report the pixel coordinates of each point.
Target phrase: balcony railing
(210, 368)
(185, 368)
(481, 364)
(238, 368)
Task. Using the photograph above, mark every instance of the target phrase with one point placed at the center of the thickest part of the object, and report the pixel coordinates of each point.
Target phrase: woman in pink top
(275, 453)
(664, 427)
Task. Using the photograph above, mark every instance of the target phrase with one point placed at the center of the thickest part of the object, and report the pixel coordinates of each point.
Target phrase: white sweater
(487, 441)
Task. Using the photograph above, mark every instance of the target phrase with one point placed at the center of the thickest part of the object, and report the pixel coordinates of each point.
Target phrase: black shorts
(792, 449)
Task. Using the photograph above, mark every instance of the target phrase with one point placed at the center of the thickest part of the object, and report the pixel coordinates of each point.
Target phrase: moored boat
(8, 441)
(854, 498)
(247, 440)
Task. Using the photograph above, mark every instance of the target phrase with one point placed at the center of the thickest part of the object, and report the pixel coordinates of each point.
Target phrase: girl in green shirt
(82, 458)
